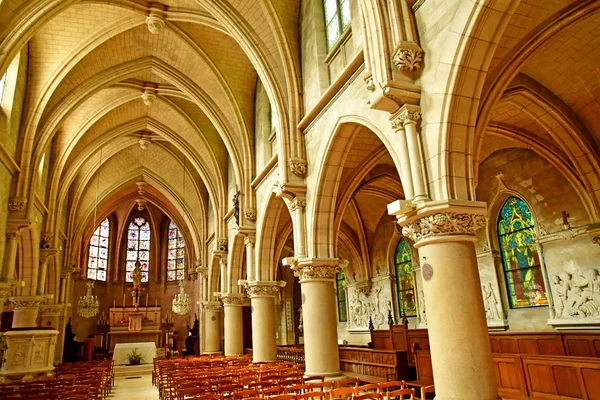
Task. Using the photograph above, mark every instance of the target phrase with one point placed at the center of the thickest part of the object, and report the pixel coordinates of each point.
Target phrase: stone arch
(266, 237)
(235, 261)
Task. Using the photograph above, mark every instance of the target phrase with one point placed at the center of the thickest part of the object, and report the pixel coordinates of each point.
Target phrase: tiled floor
(133, 388)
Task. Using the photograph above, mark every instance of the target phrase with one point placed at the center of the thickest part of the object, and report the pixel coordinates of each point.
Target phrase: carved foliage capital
(308, 272)
(231, 300)
(250, 214)
(212, 306)
(16, 204)
(298, 166)
(262, 290)
(298, 203)
(408, 114)
(26, 303)
(443, 224)
(250, 240)
(51, 310)
(221, 244)
(408, 57)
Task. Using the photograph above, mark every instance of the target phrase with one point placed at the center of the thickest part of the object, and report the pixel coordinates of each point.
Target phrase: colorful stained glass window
(176, 254)
(337, 19)
(138, 248)
(98, 257)
(520, 257)
(340, 284)
(404, 279)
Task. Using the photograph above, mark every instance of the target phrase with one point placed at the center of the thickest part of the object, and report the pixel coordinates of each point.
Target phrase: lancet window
(98, 252)
(176, 254)
(138, 248)
(404, 279)
(337, 19)
(340, 284)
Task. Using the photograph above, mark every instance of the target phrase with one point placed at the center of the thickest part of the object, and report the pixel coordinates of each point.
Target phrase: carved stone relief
(364, 304)
(576, 293)
(491, 303)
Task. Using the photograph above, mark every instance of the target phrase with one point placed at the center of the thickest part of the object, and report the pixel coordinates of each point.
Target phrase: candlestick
(114, 303)
(123, 300)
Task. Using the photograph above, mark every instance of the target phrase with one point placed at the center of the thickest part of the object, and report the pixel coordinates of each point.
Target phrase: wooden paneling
(527, 343)
(379, 363)
(582, 344)
(382, 340)
(421, 338)
(423, 363)
(562, 377)
(510, 377)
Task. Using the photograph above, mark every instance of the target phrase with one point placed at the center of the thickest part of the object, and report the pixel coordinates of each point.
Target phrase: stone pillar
(407, 116)
(444, 233)
(234, 333)
(25, 311)
(262, 298)
(212, 331)
(45, 256)
(297, 208)
(250, 242)
(10, 251)
(317, 278)
(405, 171)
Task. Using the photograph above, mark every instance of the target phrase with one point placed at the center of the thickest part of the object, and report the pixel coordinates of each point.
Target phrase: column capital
(46, 254)
(298, 203)
(232, 299)
(263, 288)
(202, 271)
(298, 166)
(26, 302)
(250, 240)
(51, 310)
(407, 114)
(315, 268)
(443, 221)
(17, 204)
(66, 272)
(212, 306)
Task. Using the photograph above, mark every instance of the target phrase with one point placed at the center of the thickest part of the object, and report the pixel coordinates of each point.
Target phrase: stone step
(132, 370)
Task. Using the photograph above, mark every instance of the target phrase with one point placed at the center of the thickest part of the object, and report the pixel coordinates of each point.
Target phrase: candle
(114, 303)
(123, 300)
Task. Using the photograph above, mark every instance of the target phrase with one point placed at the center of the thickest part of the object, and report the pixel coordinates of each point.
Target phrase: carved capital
(202, 272)
(316, 269)
(66, 272)
(221, 244)
(232, 299)
(250, 240)
(407, 114)
(26, 303)
(4, 294)
(250, 214)
(263, 289)
(297, 203)
(17, 204)
(408, 56)
(443, 224)
(298, 166)
(54, 310)
(13, 234)
(212, 306)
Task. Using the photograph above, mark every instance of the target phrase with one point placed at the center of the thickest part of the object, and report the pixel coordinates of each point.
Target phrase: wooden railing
(290, 353)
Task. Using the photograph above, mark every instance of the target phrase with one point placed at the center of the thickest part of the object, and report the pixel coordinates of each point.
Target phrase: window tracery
(337, 19)
(98, 252)
(340, 284)
(520, 257)
(404, 279)
(176, 254)
(138, 247)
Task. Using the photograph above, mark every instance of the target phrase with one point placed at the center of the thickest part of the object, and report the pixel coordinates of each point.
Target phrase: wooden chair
(353, 382)
(242, 394)
(427, 389)
(401, 394)
(210, 396)
(343, 392)
(271, 391)
(297, 389)
(371, 387)
(368, 396)
(311, 396)
(386, 386)
(314, 379)
(283, 397)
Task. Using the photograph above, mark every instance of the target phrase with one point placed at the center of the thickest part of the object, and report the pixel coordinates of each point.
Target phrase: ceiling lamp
(88, 305)
(182, 303)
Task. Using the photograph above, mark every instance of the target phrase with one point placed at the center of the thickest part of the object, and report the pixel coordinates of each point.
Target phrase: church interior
(373, 190)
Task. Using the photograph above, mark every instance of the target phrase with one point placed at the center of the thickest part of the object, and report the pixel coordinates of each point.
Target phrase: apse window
(176, 254)
(520, 257)
(404, 279)
(138, 248)
(337, 19)
(98, 256)
(340, 284)
(2, 85)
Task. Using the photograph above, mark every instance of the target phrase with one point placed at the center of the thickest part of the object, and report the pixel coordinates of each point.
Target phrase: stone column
(405, 171)
(262, 298)
(444, 233)
(12, 240)
(250, 242)
(407, 116)
(212, 324)
(234, 333)
(317, 278)
(25, 311)
(45, 256)
(297, 208)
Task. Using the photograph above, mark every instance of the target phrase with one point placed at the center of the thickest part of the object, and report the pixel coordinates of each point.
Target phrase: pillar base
(29, 354)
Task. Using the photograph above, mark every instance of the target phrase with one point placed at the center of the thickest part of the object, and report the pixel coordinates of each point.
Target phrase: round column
(262, 298)
(10, 251)
(317, 279)
(234, 334)
(25, 311)
(212, 324)
(458, 336)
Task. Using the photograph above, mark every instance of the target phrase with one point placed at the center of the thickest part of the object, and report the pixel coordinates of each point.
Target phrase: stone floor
(134, 388)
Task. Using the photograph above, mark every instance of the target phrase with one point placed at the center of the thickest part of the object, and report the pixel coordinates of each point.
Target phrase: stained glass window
(176, 254)
(138, 247)
(340, 284)
(98, 257)
(337, 19)
(404, 279)
(520, 258)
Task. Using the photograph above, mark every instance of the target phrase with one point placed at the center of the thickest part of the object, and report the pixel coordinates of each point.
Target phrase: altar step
(132, 370)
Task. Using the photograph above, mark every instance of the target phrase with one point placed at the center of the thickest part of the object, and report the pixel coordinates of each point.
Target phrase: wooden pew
(373, 366)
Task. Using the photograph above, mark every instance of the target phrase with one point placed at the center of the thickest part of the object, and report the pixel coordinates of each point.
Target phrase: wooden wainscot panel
(423, 363)
(527, 343)
(399, 337)
(382, 340)
(418, 337)
(562, 377)
(582, 344)
(510, 377)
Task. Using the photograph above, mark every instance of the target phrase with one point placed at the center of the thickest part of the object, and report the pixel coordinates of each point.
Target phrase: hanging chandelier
(88, 305)
(182, 303)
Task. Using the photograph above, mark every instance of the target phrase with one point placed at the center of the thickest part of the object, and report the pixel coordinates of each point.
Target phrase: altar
(147, 350)
(131, 325)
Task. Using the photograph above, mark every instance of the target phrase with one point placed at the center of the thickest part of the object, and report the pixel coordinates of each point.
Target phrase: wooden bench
(373, 366)
(363, 379)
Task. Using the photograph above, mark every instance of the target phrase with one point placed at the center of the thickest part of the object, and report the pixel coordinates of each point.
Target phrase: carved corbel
(298, 167)
(17, 204)
(408, 56)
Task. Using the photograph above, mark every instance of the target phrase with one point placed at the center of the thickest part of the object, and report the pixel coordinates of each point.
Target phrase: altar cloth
(146, 349)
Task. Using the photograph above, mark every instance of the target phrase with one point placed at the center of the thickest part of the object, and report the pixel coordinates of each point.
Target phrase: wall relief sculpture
(576, 293)
(364, 304)
(493, 308)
